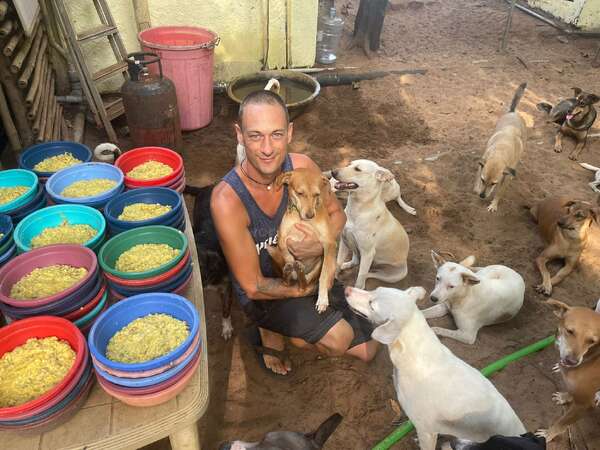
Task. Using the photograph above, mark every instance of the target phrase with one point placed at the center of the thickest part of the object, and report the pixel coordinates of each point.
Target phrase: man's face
(265, 134)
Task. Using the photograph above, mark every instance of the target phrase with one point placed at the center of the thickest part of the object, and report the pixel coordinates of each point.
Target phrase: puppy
(503, 152)
(575, 117)
(308, 192)
(372, 234)
(213, 266)
(564, 224)
(290, 440)
(595, 185)
(578, 342)
(526, 442)
(440, 393)
(492, 295)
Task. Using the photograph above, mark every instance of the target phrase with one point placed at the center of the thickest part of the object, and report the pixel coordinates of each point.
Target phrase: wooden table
(106, 423)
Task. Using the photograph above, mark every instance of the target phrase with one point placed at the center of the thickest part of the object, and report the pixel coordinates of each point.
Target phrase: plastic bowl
(6, 246)
(18, 177)
(53, 216)
(87, 171)
(153, 280)
(6, 228)
(86, 308)
(10, 252)
(165, 286)
(134, 157)
(164, 196)
(154, 234)
(31, 204)
(37, 153)
(173, 222)
(18, 332)
(124, 312)
(17, 268)
(83, 321)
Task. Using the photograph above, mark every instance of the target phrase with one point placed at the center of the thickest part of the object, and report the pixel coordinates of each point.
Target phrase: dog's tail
(589, 167)
(325, 430)
(517, 98)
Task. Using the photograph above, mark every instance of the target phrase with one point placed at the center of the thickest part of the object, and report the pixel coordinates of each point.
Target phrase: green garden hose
(487, 371)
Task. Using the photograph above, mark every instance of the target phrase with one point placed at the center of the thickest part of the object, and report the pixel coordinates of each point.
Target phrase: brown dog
(308, 192)
(578, 342)
(564, 224)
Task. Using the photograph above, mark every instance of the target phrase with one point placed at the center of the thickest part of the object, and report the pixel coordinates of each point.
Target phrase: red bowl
(69, 254)
(134, 157)
(18, 332)
(74, 315)
(152, 280)
(154, 398)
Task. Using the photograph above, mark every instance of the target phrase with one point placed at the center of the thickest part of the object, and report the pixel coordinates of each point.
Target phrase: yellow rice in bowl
(147, 338)
(64, 233)
(143, 257)
(8, 194)
(57, 162)
(143, 211)
(32, 369)
(46, 281)
(88, 188)
(150, 170)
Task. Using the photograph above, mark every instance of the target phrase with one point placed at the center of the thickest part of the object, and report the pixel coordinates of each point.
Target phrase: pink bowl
(155, 398)
(69, 254)
(149, 373)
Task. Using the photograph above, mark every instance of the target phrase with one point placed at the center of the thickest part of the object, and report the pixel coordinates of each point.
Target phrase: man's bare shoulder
(225, 202)
(302, 161)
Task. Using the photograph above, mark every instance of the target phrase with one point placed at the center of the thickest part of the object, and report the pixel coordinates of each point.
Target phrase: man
(247, 210)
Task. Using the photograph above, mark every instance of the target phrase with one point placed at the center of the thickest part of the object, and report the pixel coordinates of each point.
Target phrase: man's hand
(308, 247)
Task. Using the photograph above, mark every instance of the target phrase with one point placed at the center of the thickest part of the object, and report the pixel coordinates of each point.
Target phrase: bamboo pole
(9, 48)
(142, 14)
(3, 9)
(9, 126)
(17, 63)
(53, 33)
(41, 114)
(39, 75)
(35, 58)
(64, 130)
(6, 28)
(57, 122)
(48, 129)
(17, 105)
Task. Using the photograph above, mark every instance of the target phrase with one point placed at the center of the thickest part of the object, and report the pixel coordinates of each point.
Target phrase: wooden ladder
(107, 108)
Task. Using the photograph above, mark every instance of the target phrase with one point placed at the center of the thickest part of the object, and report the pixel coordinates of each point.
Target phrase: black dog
(526, 442)
(212, 262)
(575, 115)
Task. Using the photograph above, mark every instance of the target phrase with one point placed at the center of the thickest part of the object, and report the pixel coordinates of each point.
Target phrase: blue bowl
(122, 313)
(165, 286)
(164, 196)
(7, 244)
(6, 228)
(151, 380)
(53, 216)
(86, 319)
(86, 171)
(18, 177)
(176, 222)
(37, 153)
(12, 251)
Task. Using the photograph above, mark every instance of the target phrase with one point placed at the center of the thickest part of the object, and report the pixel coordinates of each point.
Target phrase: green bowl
(154, 234)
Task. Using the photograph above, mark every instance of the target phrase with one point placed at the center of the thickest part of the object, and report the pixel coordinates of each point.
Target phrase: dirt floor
(400, 122)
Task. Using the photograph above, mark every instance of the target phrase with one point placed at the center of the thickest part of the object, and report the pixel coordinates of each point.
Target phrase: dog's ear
(470, 278)
(559, 308)
(438, 260)
(386, 333)
(510, 171)
(283, 178)
(325, 430)
(576, 91)
(384, 175)
(590, 99)
(468, 261)
(595, 212)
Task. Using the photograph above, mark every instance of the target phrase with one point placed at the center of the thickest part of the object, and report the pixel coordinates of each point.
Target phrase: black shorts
(299, 318)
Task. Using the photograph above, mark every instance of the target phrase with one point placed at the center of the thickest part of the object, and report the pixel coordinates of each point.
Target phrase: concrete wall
(281, 31)
(584, 14)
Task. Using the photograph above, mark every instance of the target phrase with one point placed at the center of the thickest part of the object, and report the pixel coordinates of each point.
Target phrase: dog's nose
(434, 299)
(334, 173)
(482, 195)
(310, 214)
(570, 361)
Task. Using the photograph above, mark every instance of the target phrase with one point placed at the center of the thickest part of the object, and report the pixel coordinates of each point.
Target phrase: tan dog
(499, 161)
(307, 198)
(564, 224)
(578, 342)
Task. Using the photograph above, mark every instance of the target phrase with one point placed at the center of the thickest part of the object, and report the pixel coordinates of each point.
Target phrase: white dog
(440, 393)
(491, 295)
(372, 234)
(595, 185)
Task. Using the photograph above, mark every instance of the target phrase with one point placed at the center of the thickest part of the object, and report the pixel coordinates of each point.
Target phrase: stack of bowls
(87, 171)
(174, 218)
(37, 153)
(57, 405)
(8, 249)
(53, 216)
(81, 304)
(30, 201)
(137, 156)
(152, 382)
(173, 276)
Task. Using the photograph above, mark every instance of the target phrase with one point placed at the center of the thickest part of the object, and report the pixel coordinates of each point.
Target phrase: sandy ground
(399, 122)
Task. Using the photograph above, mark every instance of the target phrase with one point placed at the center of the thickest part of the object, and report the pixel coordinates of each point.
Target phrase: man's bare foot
(276, 342)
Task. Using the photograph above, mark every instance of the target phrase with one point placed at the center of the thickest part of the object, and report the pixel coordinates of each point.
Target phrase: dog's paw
(558, 148)
(543, 433)
(226, 328)
(322, 304)
(573, 157)
(546, 290)
(562, 398)
(597, 400)
(493, 207)
(556, 368)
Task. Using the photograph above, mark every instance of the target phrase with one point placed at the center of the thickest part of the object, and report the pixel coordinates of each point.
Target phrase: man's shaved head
(262, 97)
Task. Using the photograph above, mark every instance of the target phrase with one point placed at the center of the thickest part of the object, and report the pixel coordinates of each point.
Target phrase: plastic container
(6, 228)
(328, 37)
(18, 177)
(37, 153)
(31, 205)
(165, 286)
(134, 157)
(160, 195)
(187, 55)
(152, 280)
(91, 315)
(53, 216)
